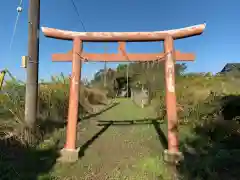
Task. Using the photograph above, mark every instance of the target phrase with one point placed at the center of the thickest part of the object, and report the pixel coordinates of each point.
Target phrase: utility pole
(31, 98)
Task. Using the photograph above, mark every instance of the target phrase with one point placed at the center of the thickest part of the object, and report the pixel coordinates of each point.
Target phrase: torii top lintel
(124, 36)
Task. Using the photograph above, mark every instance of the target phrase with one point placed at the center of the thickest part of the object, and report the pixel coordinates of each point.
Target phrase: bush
(53, 102)
(53, 106)
(215, 136)
(18, 142)
(209, 125)
(13, 125)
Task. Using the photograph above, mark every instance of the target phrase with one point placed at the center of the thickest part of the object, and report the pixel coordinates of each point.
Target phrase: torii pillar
(172, 154)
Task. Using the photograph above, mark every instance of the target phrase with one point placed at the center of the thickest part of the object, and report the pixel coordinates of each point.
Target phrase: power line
(78, 14)
(19, 10)
(84, 28)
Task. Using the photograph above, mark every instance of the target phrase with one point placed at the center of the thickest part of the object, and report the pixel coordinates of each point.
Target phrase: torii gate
(70, 152)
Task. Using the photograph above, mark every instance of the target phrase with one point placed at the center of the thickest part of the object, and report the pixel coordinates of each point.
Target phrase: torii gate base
(172, 154)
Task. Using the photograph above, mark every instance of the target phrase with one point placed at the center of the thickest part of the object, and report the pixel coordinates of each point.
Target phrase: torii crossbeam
(169, 56)
(122, 56)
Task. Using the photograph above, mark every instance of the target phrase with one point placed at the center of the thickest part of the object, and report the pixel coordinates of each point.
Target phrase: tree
(121, 67)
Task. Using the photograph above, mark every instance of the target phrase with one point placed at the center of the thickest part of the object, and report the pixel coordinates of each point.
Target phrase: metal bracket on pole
(24, 61)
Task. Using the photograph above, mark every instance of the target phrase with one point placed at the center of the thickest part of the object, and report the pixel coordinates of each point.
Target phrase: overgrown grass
(211, 114)
(212, 145)
(209, 123)
(16, 139)
(208, 119)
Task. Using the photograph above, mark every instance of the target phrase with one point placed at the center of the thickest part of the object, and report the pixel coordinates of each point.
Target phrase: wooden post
(74, 96)
(171, 104)
(172, 155)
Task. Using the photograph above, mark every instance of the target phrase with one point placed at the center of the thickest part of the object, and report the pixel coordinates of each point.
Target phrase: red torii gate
(70, 153)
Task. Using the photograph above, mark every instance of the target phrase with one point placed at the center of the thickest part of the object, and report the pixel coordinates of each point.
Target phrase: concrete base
(172, 157)
(69, 155)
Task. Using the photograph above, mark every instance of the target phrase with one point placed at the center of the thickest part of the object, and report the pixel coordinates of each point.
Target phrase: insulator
(19, 9)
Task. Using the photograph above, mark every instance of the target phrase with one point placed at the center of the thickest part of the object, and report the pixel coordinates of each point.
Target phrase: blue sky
(218, 45)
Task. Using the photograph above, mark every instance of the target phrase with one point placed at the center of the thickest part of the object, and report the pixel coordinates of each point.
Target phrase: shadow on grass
(161, 136)
(153, 121)
(107, 123)
(47, 127)
(100, 112)
(19, 162)
(215, 145)
(86, 145)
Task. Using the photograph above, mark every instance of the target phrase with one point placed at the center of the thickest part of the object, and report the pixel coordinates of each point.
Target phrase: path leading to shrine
(124, 142)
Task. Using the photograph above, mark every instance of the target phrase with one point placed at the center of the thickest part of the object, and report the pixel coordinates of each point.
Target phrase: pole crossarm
(124, 36)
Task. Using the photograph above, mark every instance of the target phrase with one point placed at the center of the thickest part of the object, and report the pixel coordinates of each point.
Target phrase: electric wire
(16, 22)
(84, 28)
(78, 14)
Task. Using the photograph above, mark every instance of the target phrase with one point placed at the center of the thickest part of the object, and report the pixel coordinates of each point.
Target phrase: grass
(121, 143)
(18, 144)
(20, 162)
(214, 141)
(126, 142)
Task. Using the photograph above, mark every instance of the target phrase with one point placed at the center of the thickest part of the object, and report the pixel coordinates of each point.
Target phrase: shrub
(53, 106)
(210, 121)
(215, 136)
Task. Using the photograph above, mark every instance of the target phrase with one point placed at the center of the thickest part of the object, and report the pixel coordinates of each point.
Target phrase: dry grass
(53, 107)
(129, 146)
